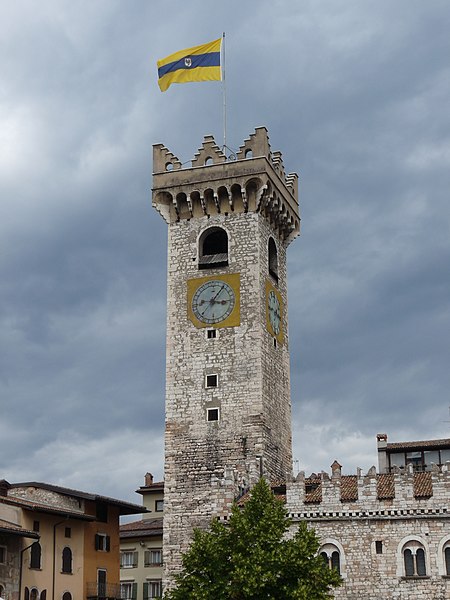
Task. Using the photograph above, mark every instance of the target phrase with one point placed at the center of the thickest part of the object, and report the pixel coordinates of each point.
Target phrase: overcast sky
(355, 94)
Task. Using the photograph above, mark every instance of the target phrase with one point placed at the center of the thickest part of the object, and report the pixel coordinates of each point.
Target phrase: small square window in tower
(213, 248)
(213, 414)
(211, 334)
(211, 381)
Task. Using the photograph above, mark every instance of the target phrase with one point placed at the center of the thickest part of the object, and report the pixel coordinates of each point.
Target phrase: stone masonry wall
(417, 511)
(207, 463)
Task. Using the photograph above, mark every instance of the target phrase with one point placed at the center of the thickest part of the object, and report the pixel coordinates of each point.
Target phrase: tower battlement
(402, 493)
(254, 182)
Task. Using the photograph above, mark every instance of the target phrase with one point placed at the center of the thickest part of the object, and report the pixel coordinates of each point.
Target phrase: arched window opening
(35, 560)
(34, 594)
(447, 560)
(249, 153)
(2, 591)
(213, 249)
(331, 557)
(67, 560)
(414, 560)
(409, 563)
(208, 161)
(273, 259)
(67, 596)
(336, 561)
(26, 593)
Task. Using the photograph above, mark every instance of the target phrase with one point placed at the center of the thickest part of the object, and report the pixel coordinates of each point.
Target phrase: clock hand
(214, 299)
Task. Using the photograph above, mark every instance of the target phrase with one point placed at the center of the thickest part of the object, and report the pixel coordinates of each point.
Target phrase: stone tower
(228, 409)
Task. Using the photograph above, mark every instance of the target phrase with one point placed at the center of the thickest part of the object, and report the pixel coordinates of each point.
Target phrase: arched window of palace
(67, 596)
(414, 559)
(331, 556)
(273, 259)
(444, 557)
(213, 248)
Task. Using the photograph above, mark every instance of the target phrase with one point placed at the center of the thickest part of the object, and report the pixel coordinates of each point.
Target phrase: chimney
(148, 479)
(336, 469)
(382, 454)
(4, 487)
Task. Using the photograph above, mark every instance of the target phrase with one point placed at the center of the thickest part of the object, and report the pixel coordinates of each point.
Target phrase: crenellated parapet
(402, 494)
(254, 182)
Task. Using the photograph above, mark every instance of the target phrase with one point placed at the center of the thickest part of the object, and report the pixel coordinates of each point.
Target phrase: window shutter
(108, 543)
(135, 559)
(97, 541)
(146, 558)
(420, 560)
(145, 591)
(134, 592)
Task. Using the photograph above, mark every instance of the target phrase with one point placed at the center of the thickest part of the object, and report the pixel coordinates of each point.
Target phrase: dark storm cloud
(354, 94)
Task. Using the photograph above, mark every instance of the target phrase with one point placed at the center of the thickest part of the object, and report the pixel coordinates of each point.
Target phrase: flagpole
(224, 95)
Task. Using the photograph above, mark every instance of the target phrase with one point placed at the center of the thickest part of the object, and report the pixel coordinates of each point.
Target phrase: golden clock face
(214, 301)
(274, 312)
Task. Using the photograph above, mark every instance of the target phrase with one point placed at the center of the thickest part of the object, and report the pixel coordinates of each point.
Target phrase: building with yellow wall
(75, 551)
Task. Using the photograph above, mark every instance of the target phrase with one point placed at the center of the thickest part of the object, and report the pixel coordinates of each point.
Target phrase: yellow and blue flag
(200, 63)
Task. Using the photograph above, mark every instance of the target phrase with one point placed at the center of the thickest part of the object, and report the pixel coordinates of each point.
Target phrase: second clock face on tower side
(274, 308)
(274, 312)
(214, 301)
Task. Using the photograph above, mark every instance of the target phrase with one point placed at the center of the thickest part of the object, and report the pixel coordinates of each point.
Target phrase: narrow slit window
(273, 259)
(379, 547)
(211, 334)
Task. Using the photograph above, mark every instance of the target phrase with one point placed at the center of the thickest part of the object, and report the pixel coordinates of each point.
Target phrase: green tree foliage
(250, 558)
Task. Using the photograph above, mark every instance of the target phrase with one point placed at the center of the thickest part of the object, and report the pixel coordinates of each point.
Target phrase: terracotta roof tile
(423, 487)
(313, 490)
(7, 527)
(124, 507)
(46, 508)
(349, 488)
(421, 445)
(145, 527)
(385, 486)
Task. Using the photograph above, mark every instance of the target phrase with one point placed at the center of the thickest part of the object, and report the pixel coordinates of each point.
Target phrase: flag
(200, 63)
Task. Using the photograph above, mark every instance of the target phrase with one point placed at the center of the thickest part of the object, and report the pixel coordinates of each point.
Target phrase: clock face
(273, 305)
(213, 301)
